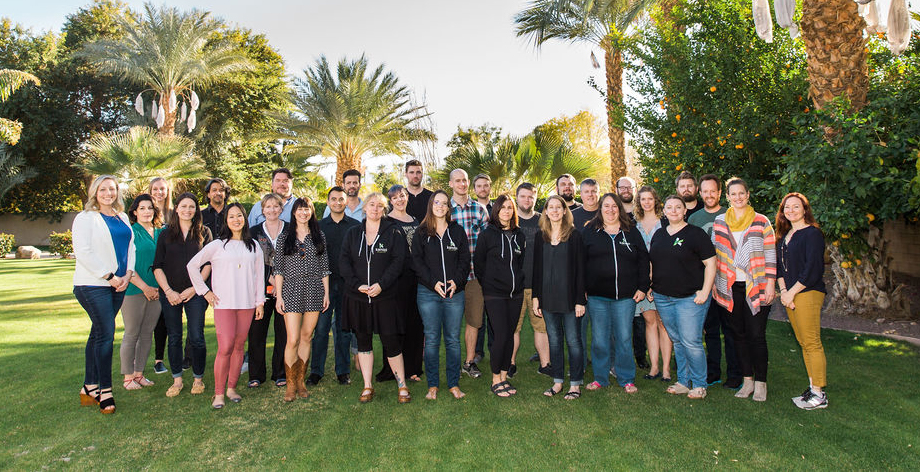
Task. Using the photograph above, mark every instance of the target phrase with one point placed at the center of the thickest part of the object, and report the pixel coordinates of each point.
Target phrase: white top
(94, 250)
(237, 274)
(739, 272)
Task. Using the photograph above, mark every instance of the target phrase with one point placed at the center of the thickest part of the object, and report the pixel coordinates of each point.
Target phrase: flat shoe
(143, 381)
(455, 391)
(366, 395)
(197, 388)
(572, 395)
(174, 390)
(630, 388)
(215, 404)
(130, 384)
(652, 377)
(432, 393)
(666, 379)
(550, 392)
(500, 388)
(594, 386)
(254, 384)
(697, 393)
(678, 389)
(235, 398)
(404, 395)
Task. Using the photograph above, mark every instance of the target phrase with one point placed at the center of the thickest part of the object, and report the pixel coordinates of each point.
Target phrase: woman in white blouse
(103, 245)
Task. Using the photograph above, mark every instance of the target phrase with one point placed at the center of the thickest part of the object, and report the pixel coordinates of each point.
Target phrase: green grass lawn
(873, 421)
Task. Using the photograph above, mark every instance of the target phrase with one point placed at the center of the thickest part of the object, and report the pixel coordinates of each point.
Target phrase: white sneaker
(813, 402)
(807, 393)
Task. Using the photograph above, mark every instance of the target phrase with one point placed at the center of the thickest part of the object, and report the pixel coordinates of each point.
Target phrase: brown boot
(299, 369)
(290, 392)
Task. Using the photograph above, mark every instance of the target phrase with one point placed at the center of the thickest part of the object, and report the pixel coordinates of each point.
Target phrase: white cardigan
(94, 249)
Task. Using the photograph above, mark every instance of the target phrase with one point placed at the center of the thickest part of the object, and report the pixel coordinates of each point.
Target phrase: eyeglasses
(625, 187)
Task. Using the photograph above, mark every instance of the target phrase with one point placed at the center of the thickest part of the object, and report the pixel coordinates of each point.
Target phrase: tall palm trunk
(169, 123)
(836, 49)
(613, 61)
(347, 158)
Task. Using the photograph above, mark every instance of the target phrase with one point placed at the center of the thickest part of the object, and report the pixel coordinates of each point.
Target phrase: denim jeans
(684, 320)
(565, 327)
(341, 340)
(441, 314)
(101, 304)
(194, 316)
(612, 317)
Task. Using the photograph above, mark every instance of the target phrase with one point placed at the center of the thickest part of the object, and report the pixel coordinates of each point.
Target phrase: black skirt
(380, 316)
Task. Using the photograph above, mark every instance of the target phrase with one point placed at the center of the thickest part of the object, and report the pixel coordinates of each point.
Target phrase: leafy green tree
(350, 113)
(10, 81)
(139, 155)
(712, 100)
(170, 52)
(603, 23)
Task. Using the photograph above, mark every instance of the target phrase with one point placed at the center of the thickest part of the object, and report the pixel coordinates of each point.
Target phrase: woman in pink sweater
(237, 289)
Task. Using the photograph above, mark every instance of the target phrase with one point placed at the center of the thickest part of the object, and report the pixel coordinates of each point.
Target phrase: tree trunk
(169, 123)
(836, 49)
(346, 158)
(613, 61)
(865, 286)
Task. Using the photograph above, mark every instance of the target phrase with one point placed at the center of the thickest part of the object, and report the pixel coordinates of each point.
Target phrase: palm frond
(12, 79)
(12, 171)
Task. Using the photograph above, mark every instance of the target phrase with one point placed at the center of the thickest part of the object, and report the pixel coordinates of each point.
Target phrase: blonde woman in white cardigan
(103, 244)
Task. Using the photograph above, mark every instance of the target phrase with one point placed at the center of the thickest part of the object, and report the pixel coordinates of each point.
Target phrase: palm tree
(10, 81)
(481, 155)
(12, 171)
(603, 23)
(353, 112)
(836, 49)
(545, 154)
(171, 53)
(141, 154)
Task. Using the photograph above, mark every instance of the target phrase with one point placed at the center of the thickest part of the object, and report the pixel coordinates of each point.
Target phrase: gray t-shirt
(703, 219)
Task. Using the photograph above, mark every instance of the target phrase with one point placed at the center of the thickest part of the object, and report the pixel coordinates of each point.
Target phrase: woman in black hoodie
(559, 293)
(373, 257)
(616, 278)
(499, 267)
(441, 259)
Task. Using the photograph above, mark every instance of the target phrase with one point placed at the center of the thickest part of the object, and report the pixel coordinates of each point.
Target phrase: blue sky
(463, 56)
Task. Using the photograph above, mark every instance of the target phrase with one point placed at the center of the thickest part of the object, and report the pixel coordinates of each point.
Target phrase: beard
(568, 197)
(689, 197)
(352, 192)
(626, 198)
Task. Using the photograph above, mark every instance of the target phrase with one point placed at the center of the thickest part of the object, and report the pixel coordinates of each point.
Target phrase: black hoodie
(499, 261)
(382, 265)
(615, 274)
(441, 258)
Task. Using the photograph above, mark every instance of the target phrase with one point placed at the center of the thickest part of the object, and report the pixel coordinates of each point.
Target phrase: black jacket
(439, 259)
(387, 259)
(615, 274)
(499, 261)
(576, 275)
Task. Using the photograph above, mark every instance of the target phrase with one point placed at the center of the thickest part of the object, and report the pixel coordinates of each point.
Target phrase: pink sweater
(237, 274)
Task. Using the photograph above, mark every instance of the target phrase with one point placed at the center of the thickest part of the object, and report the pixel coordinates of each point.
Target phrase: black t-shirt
(677, 260)
(529, 227)
(699, 206)
(581, 217)
(418, 204)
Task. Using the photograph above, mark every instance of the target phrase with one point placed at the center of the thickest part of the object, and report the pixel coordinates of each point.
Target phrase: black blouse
(172, 256)
(802, 259)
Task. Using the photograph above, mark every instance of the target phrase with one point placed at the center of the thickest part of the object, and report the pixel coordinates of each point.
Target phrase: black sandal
(254, 384)
(572, 395)
(550, 392)
(510, 388)
(107, 406)
(89, 397)
(500, 388)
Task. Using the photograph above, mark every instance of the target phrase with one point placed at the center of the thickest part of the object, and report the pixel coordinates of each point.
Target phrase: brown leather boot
(300, 368)
(290, 392)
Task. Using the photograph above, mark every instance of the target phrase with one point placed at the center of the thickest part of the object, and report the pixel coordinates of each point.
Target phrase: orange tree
(856, 168)
(711, 96)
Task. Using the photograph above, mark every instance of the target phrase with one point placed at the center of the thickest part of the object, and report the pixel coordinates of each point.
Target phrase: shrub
(61, 243)
(7, 243)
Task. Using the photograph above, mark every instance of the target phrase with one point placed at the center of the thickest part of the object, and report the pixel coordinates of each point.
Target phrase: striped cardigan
(756, 257)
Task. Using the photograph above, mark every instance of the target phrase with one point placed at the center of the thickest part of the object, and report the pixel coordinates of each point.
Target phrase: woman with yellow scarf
(746, 282)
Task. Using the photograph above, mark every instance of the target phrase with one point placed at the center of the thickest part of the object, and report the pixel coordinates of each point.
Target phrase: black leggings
(750, 333)
(392, 343)
(503, 318)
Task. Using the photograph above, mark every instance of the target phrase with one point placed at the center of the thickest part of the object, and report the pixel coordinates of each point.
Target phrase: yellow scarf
(739, 222)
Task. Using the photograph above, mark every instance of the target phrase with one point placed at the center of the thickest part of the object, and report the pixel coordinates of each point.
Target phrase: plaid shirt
(473, 218)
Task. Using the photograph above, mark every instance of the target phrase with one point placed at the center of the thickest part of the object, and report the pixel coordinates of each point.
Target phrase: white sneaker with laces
(812, 402)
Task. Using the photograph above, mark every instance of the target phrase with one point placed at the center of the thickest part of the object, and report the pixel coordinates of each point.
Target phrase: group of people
(636, 272)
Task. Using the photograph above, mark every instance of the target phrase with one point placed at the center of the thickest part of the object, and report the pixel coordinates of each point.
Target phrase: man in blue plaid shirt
(473, 218)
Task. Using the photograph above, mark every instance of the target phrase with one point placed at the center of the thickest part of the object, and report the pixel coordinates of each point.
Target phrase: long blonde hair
(93, 205)
(166, 211)
(566, 225)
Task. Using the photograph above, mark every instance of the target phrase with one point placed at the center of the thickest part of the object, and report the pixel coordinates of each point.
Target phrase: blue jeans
(441, 314)
(565, 326)
(341, 340)
(101, 304)
(612, 317)
(684, 320)
(194, 316)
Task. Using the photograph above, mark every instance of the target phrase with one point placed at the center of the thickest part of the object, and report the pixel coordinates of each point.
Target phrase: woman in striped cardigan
(746, 282)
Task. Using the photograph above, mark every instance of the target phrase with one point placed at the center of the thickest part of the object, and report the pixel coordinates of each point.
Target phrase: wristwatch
(110, 276)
